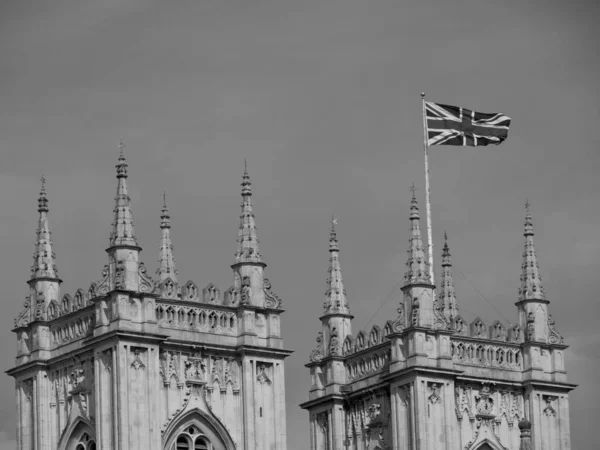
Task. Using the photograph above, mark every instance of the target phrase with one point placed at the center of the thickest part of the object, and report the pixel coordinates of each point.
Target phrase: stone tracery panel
(196, 319)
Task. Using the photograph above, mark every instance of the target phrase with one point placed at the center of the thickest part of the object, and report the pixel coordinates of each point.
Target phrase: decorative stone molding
(367, 364)
(262, 370)
(549, 410)
(138, 363)
(434, 396)
(486, 355)
(193, 318)
(554, 337)
(73, 329)
(211, 294)
(271, 299)
(318, 353)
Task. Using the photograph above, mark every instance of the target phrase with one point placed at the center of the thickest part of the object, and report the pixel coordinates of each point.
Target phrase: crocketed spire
(418, 267)
(44, 262)
(166, 261)
(531, 280)
(447, 297)
(123, 232)
(247, 250)
(335, 301)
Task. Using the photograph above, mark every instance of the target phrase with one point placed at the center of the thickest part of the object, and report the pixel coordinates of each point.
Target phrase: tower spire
(247, 250)
(123, 232)
(335, 301)
(418, 267)
(447, 297)
(44, 259)
(166, 261)
(531, 280)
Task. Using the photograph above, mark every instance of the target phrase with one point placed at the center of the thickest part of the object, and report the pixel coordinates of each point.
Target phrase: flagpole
(427, 192)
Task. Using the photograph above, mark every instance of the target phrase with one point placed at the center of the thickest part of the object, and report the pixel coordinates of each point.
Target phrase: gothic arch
(207, 425)
(75, 434)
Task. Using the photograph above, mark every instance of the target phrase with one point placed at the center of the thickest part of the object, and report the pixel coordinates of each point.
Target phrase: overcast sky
(322, 97)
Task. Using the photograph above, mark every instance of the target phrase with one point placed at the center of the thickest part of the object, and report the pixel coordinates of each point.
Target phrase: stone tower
(135, 363)
(430, 381)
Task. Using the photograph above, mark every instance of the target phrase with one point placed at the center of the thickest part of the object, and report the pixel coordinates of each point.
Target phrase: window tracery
(86, 443)
(192, 439)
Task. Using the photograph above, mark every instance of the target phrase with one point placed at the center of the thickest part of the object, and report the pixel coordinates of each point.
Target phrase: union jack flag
(453, 125)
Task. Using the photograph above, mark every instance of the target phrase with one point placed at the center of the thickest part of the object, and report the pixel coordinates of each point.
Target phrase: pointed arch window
(191, 439)
(86, 443)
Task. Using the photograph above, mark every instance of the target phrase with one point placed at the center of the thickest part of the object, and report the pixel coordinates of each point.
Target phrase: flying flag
(453, 125)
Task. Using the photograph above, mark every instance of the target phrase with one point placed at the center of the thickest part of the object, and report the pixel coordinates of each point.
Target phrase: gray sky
(323, 99)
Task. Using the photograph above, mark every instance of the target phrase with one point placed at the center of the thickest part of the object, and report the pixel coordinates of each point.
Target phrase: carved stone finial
(44, 259)
(418, 267)
(166, 261)
(531, 280)
(123, 231)
(247, 250)
(335, 301)
(525, 427)
(447, 297)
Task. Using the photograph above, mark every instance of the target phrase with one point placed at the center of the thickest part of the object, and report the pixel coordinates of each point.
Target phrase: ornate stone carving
(146, 284)
(415, 320)
(77, 375)
(439, 320)
(211, 294)
(374, 414)
(497, 331)
(460, 326)
(334, 345)
(434, 397)
(478, 328)
(169, 366)
(554, 337)
(22, 319)
(120, 275)
(245, 292)
(195, 369)
(40, 307)
(368, 364)
(190, 291)
(530, 327)
(549, 411)
(137, 362)
(232, 296)
(262, 377)
(317, 354)
(515, 334)
(103, 286)
(484, 403)
(398, 325)
(169, 289)
(271, 299)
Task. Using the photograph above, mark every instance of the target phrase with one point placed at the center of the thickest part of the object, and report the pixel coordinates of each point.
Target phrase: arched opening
(78, 436)
(197, 430)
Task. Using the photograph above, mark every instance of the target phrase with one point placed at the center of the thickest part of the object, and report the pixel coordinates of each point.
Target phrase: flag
(453, 125)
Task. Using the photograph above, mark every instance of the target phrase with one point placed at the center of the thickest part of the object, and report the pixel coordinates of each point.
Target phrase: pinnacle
(531, 280)
(166, 260)
(44, 262)
(447, 296)
(335, 302)
(123, 232)
(247, 250)
(418, 267)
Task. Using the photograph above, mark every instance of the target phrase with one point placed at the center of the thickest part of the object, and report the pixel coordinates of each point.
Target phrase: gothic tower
(431, 381)
(136, 363)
